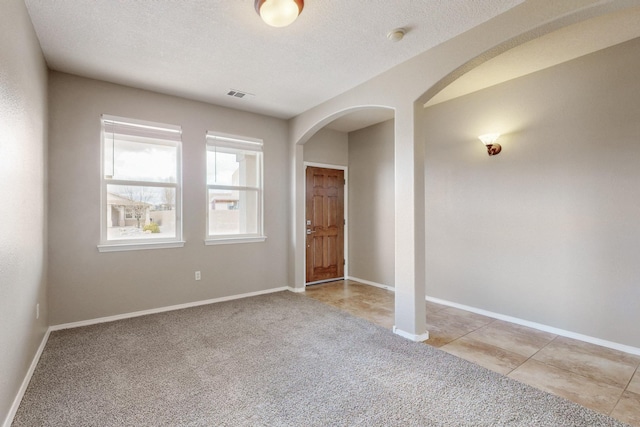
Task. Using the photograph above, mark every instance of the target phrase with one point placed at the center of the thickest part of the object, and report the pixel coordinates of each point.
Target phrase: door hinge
(344, 262)
(344, 182)
(344, 222)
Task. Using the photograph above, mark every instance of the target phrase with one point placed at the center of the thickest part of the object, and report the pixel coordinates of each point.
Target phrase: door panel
(325, 224)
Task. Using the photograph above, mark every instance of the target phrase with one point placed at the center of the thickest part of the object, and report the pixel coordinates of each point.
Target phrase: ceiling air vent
(239, 94)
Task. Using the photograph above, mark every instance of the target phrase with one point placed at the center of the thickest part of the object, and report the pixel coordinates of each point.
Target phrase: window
(234, 189)
(140, 180)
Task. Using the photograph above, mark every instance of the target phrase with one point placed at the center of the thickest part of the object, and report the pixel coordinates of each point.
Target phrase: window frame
(165, 134)
(240, 143)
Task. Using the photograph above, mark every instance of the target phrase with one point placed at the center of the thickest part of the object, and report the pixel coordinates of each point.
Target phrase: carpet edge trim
(27, 379)
(129, 315)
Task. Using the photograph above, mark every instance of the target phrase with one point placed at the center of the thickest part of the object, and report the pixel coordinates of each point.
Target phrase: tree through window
(140, 183)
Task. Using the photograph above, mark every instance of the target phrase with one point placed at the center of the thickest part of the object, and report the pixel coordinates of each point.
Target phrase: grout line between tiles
(631, 379)
(625, 389)
(617, 401)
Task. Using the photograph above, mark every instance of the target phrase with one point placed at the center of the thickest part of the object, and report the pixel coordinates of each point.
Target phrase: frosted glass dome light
(279, 13)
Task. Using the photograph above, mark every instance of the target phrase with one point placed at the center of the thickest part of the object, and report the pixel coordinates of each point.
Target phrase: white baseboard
(370, 283)
(410, 336)
(161, 309)
(413, 337)
(557, 331)
(25, 382)
(539, 326)
(34, 363)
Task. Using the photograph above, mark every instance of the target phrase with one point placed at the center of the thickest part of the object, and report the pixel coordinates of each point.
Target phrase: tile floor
(599, 378)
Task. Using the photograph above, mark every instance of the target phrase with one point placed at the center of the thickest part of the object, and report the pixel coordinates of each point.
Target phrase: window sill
(119, 247)
(234, 240)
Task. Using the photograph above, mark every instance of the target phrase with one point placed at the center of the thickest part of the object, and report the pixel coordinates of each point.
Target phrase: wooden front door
(325, 224)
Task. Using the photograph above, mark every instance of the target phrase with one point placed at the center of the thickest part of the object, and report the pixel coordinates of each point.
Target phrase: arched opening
(539, 235)
(412, 137)
(518, 223)
(327, 144)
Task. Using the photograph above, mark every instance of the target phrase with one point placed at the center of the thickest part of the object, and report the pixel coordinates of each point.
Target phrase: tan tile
(514, 338)
(349, 290)
(593, 394)
(628, 409)
(469, 318)
(385, 321)
(353, 303)
(457, 319)
(483, 354)
(348, 307)
(322, 296)
(449, 324)
(378, 311)
(359, 307)
(439, 336)
(389, 305)
(375, 314)
(634, 385)
(603, 364)
(437, 340)
(325, 292)
(380, 300)
(433, 307)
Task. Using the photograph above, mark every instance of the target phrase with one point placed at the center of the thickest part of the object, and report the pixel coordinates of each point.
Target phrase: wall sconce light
(279, 13)
(489, 139)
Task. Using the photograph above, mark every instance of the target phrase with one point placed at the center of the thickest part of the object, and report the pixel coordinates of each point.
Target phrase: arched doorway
(338, 124)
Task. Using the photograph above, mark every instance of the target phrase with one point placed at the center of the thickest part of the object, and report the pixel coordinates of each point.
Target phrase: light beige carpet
(275, 360)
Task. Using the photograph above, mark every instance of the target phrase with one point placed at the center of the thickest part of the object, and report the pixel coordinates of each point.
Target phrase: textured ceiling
(200, 49)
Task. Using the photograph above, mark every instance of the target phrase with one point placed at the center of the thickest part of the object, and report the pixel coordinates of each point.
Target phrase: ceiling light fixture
(396, 35)
(489, 139)
(279, 13)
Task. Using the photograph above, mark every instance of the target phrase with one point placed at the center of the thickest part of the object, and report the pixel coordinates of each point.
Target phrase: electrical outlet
(37, 311)
(198, 275)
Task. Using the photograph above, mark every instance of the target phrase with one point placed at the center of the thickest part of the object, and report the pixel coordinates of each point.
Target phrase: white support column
(410, 306)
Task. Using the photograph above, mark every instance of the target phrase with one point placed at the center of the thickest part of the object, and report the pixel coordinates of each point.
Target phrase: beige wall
(23, 123)
(328, 146)
(86, 284)
(548, 230)
(371, 204)
(404, 88)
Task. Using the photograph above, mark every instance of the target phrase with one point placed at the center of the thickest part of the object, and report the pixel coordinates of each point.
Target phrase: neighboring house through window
(140, 184)
(234, 189)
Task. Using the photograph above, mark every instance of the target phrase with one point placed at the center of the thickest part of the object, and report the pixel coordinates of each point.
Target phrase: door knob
(310, 231)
